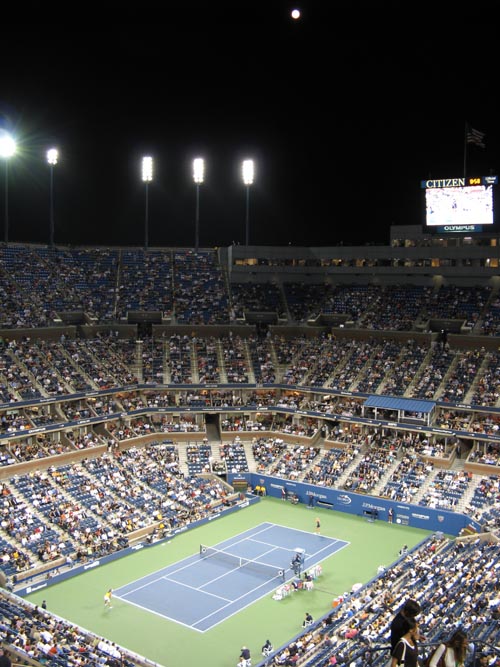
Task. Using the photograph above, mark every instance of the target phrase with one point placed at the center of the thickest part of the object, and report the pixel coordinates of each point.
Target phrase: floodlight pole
(146, 216)
(6, 214)
(52, 205)
(247, 173)
(147, 177)
(198, 177)
(197, 219)
(52, 157)
(247, 216)
(7, 150)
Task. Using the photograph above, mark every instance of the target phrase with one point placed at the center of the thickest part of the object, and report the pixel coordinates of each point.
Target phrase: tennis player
(107, 598)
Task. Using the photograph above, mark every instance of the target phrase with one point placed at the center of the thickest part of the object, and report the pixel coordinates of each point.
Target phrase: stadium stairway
(423, 489)
(347, 472)
(220, 360)
(252, 463)
(464, 502)
(215, 457)
(411, 390)
(385, 478)
(482, 370)
(195, 374)
(212, 429)
(248, 361)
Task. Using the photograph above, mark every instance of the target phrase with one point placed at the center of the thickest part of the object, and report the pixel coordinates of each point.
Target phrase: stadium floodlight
(7, 150)
(247, 172)
(147, 177)
(198, 178)
(52, 159)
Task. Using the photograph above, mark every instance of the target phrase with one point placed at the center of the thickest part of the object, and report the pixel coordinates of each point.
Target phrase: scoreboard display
(460, 205)
(240, 485)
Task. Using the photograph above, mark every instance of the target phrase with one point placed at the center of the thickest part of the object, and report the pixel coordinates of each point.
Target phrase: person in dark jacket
(401, 622)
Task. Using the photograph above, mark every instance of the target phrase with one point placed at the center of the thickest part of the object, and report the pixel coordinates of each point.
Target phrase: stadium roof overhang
(408, 409)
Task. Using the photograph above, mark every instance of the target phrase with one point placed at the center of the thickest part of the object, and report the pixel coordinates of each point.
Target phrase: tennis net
(244, 563)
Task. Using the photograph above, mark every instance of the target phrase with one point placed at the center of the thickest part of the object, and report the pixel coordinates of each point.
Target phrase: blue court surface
(203, 590)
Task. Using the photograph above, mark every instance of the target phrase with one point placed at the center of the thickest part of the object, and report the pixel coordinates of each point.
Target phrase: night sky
(343, 111)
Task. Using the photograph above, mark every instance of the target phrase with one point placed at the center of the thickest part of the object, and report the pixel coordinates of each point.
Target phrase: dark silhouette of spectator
(401, 623)
(4, 658)
(406, 650)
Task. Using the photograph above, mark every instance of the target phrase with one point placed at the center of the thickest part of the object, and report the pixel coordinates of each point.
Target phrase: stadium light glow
(147, 169)
(198, 170)
(198, 178)
(147, 177)
(52, 156)
(52, 159)
(7, 150)
(247, 173)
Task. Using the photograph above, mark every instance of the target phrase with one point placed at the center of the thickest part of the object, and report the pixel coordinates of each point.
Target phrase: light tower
(147, 177)
(52, 158)
(247, 172)
(198, 177)
(7, 150)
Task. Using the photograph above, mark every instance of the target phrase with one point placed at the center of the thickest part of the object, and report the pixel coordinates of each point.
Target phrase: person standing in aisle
(454, 651)
(406, 650)
(401, 622)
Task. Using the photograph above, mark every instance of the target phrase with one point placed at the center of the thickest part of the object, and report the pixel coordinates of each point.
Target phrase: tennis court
(206, 588)
(171, 643)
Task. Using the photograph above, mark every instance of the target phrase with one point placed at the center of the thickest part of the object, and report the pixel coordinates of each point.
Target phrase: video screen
(472, 205)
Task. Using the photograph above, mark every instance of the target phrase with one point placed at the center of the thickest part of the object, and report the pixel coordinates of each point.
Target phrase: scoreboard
(240, 485)
(459, 205)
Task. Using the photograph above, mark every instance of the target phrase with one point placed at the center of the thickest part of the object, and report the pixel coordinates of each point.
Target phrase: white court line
(244, 537)
(165, 574)
(235, 569)
(208, 583)
(195, 588)
(188, 565)
(346, 544)
(332, 541)
(252, 590)
(157, 613)
(138, 588)
(307, 532)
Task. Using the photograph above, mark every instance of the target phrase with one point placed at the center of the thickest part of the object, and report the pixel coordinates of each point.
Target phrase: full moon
(295, 14)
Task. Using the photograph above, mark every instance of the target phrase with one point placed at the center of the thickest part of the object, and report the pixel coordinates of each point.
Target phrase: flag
(475, 137)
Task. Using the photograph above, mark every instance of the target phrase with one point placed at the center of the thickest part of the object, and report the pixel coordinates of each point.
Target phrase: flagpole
(472, 136)
(465, 150)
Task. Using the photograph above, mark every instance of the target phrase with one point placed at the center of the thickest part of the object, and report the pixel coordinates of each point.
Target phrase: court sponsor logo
(345, 500)
(246, 503)
(136, 547)
(32, 589)
(420, 516)
(320, 496)
(371, 506)
(96, 563)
